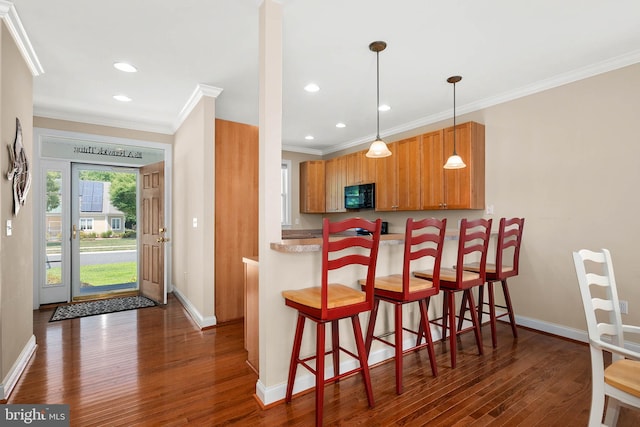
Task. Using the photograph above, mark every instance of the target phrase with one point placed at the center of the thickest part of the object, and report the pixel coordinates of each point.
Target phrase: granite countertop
(309, 241)
(314, 244)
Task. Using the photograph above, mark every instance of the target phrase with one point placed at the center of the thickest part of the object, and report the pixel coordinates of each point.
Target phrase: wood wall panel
(236, 213)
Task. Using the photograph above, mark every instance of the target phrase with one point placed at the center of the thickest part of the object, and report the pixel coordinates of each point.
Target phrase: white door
(54, 245)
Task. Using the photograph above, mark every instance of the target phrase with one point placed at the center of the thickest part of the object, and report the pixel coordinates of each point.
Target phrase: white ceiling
(503, 49)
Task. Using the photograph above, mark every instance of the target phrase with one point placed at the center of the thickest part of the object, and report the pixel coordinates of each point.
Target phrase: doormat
(93, 308)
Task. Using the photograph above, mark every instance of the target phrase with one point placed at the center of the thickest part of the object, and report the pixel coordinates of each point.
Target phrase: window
(86, 224)
(116, 223)
(285, 193)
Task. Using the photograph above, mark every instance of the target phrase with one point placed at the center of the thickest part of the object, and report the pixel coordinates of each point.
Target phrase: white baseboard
(269, 395)
(10, 381)
(201, 321)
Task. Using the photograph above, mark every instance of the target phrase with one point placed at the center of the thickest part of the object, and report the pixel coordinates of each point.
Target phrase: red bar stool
(473, 242)
(331, 302)
(507, 247)
(423, 239)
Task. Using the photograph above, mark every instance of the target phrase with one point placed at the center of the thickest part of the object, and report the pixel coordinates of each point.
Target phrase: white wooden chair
(620, 381)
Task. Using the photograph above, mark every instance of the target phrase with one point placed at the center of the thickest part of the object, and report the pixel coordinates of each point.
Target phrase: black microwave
(360, 196)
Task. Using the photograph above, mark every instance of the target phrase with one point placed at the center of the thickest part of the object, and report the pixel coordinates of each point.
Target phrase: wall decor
(19, 171)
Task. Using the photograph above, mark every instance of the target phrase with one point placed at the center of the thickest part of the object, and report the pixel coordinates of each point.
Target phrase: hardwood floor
(154, 367)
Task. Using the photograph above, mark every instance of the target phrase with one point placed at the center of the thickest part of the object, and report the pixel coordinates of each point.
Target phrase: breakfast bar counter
(314, 244)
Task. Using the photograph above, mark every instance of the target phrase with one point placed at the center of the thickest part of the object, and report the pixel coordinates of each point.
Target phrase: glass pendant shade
(378, 149)
(454, 162)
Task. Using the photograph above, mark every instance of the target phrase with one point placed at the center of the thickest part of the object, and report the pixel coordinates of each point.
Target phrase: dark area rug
(93, 308)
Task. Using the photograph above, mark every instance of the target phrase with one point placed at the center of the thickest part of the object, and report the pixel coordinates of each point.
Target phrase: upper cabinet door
(408, 171)
(360, 168)
(464, 188)
(335, 181)
(432, 156)
(387, 181)
(312, 186)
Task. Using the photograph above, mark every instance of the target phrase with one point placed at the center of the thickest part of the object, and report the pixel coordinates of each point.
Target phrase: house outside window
(116, 223)
(86, 224)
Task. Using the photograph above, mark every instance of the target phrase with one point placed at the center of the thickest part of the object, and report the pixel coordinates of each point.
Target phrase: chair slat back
(509, 236)
(333, 257)
(473, 242)
(423, 238)
(599, 295)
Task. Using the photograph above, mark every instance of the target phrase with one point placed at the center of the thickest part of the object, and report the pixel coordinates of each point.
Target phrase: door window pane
(53, 228)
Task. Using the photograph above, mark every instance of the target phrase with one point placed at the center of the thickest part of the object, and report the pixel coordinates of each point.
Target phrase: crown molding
(304, 150)
(11, 19)
(602, 67)
(200, 91)
(101, 120)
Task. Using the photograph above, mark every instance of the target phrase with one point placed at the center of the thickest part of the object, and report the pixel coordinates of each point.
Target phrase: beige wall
(566, 159)
(193, 197)
(16, 251)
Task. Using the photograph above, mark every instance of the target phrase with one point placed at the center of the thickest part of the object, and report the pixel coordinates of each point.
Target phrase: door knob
(162, 239)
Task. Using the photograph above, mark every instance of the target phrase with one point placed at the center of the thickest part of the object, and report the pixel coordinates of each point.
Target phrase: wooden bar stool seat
(423, 241)
(330, 302)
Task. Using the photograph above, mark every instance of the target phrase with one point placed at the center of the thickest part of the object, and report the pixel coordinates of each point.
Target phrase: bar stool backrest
(509, 241)
(423, 238)
(473, 242)
(334, 258)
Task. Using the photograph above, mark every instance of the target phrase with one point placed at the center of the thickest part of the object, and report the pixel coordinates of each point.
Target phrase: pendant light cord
(454, 120)
(378, 95)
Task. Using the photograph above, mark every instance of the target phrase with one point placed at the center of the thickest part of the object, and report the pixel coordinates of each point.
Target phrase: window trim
(88, 224)
(116, 218)
(285, 194)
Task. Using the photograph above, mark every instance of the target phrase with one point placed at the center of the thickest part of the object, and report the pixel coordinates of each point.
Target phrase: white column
(270, 146)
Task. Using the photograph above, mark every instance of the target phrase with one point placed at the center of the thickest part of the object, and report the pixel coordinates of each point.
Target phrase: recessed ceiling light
(122, 98)
(341, 125)
(312, 87)
(124, 66)
(308, 137)
(384, 107)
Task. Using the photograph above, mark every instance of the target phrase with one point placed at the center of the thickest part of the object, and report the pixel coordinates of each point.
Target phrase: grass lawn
(100, 274)
(98, 245)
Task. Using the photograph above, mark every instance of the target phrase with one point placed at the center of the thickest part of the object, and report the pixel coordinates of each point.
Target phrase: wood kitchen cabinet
(453, 188)
(312, 186)
(335, 180)
(398, 177)
(360, 168)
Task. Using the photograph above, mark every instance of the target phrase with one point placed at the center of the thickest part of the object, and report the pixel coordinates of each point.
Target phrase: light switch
(195, 222)
(9, 227)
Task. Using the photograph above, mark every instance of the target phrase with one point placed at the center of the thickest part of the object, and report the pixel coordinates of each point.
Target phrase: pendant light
(455, 161)
(378, 147)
